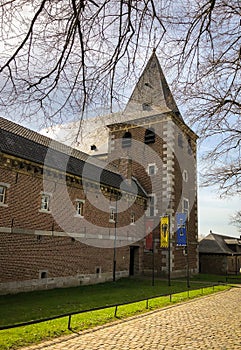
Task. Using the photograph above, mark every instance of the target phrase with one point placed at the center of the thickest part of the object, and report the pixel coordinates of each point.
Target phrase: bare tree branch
(235, 220)
(47, 54)
(64, 58)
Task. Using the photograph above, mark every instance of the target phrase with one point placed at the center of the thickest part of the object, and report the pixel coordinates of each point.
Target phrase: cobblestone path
(212, 322)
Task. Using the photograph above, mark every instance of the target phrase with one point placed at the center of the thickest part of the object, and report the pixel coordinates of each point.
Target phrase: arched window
(150, 136)
(126, 139)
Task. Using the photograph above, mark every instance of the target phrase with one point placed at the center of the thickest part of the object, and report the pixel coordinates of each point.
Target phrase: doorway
(134, 260)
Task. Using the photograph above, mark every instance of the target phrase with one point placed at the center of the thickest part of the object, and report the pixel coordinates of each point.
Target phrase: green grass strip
(22, 336)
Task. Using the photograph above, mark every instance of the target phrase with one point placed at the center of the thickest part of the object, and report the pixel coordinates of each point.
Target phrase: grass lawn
(37, 305)
(234, 279)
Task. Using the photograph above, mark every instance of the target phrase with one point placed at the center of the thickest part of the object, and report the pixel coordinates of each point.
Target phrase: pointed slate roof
(152, 92)
(151, 97)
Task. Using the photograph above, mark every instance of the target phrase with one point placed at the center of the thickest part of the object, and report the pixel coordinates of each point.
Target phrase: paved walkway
(212, 322)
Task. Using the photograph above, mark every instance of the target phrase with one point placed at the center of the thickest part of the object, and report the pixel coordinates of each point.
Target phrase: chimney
(125, 167)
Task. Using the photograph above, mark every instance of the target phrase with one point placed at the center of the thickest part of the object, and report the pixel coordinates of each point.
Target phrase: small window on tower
(126, 139)
(132, 218)
(146, 107)
(185, 206)
(180, 140)
(151, 169)
(185, 175)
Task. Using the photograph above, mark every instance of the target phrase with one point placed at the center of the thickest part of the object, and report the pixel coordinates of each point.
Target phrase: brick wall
(220, 264)
(216, 264)
(66, 249)
(24, 256)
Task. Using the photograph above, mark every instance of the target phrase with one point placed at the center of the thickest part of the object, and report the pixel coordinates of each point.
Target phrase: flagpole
(153, 261)
(187, 246)
(169, 252)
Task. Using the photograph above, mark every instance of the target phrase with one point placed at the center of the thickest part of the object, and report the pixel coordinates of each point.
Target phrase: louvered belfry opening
(126, 139)
(150, 136)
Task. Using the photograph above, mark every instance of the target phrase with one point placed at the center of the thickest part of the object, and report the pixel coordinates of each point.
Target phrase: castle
(93, 212)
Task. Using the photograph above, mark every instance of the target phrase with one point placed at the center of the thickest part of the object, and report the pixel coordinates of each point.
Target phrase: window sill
(3, 205)
(79, 216)
(44, 211)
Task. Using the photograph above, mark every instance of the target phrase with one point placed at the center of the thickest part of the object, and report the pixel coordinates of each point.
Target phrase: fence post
(146, 303)
(116, 310)
(170, 298)
(69, 322)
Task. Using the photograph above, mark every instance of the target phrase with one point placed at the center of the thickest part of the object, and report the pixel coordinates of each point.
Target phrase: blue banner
(181, 229)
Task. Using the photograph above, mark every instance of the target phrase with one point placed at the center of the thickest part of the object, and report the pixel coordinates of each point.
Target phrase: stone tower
(153, 144)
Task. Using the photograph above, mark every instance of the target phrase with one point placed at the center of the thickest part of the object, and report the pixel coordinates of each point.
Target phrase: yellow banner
(164, 232)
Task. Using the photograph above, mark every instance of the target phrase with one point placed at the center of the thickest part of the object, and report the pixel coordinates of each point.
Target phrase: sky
(214, 210)
(214, 213)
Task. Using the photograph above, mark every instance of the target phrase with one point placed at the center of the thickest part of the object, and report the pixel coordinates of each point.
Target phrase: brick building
(71, 216)
(219, 254)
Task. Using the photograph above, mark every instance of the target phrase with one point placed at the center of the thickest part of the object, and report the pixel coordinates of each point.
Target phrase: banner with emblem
(181, 220)
(164, 232)
(149, 228)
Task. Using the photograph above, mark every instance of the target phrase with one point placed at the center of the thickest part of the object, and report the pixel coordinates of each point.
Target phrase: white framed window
(152, 206)
(132, 218)
(151, 169)
(112, 214)
(151, 211)
(45, 202)
(3, 193)
(79, 207)
(185, 206)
